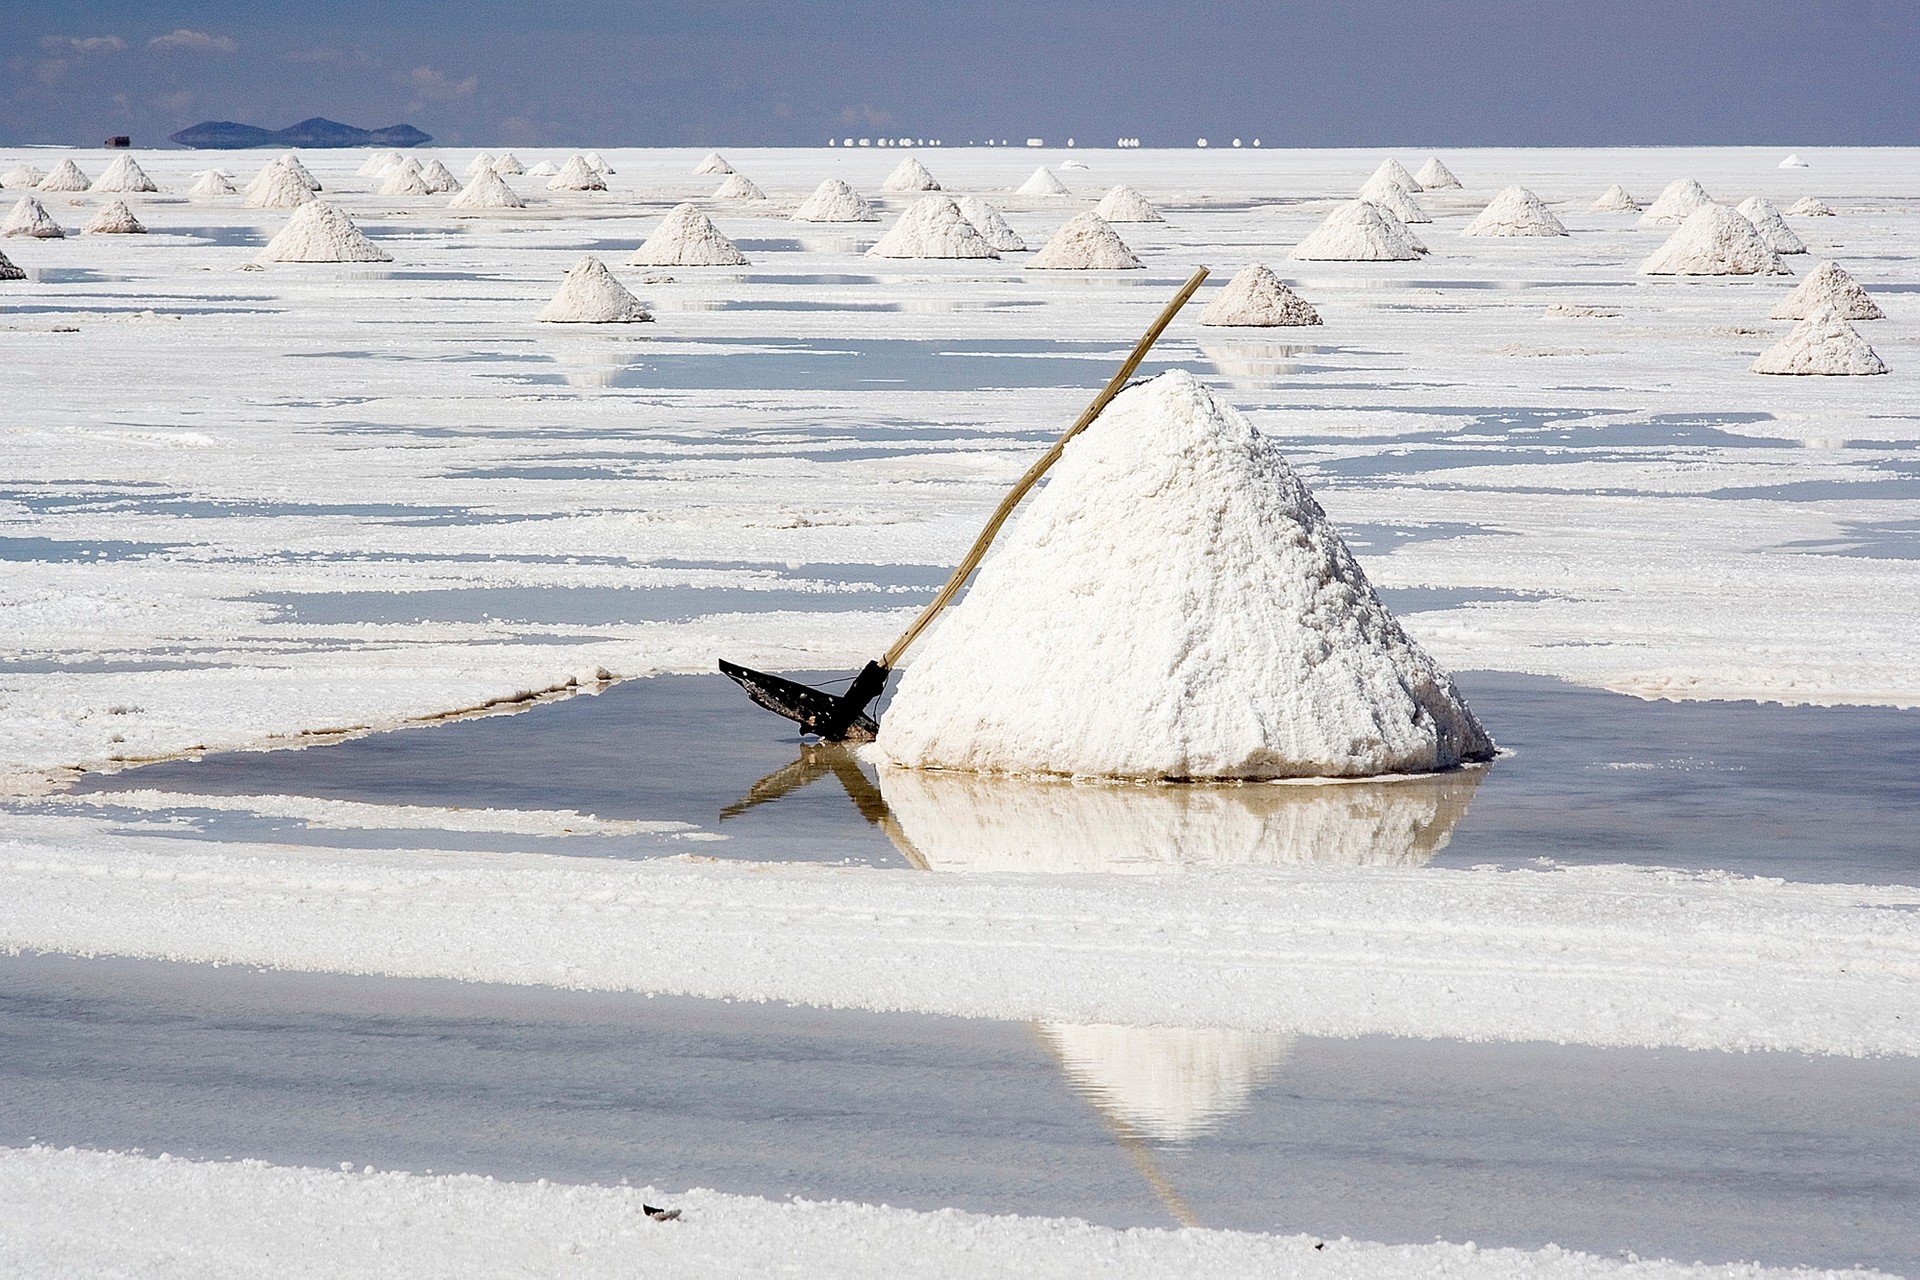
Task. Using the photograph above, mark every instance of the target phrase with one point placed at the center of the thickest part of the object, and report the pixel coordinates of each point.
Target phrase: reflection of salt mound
(1392, 170)
(1828, 287)
(1170, 1083)
(488, 191)
(437, 178)
(319, 232)
(1358, 231)
(1823, 344)
(114, 219)
(482, 162)
(300, 171)
(590, 295)
(1615, 200)
(1772, 227)
(1124, 204)
(1174, 604)
(66, 176)
(738, 186)
(124, 174)
(1435, 176)
(507, 164)
(1043, 183)
(715, 164)
(1257, 297)
(993, 228)
(1676, 203)
(30, 218)
(834, 201)
(1808, 207)
(910, 175)
(404, 180)
(1394, 198)
(932, 227)
(8, 271)
(1085, 243)
(577, 175)
(277, 187)
(1794, 162)
(1516, 211)
(1254, 363)
(1714, 241)
(686, 237)
(210, 183)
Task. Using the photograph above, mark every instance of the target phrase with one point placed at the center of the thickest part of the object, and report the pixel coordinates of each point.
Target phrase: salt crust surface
(910, 175)
(1714, 241)
(320, 232)
(350, 815)
(1822, 344)
(1085, 243)
(1043, 183)
(1123, 204)
(686, 237)
(1256, 296)
(1615, 200)
(1674, 204)
(834, 201)
(1357, 231)
(124, 174)
(30, 218)
(590, 295)
(1435, 176)
(1828, 285)
(993, 228)
(66, 176)
(113, 219)
(487, 191)
(1773, 228)
(932, 227)
(1516, 211)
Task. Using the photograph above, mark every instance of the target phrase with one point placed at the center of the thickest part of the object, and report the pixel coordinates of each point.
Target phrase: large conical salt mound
(300, 171)
(8, 271)
(834, 201)
(1392, 170)
(1124, 204)
(714, 165)
(1714, 241)
(993, 228)
(210, 183)
(1772, 227)
(687, 238)
(481, 163)
(1615, 200)
(22, 175)
(124, 174)
(319, 232)
(1357, 231)
(1808, 207)
(910, 175)
(1043, 183)
(1256, 297)
(404, 180)
(507, 164)
(1085, 243)
(113, 219)
(1175, 605)
(66, 176)
(1394, 198)
(1675, 204)
(1822, 345)
(577, 175)
(932, 227)
(1435, 176)
(590, 295)
(437, 178)
(30, 218)
(278, 187)
(1516, 211)
(487, 191)
(1828, 287)
(738, 186)
(377, 163)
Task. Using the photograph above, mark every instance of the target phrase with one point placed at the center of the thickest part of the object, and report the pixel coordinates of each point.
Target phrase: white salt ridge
(547, 168)
(210, 183)
(738, 186)
(1516, 211)
(1256, 297)
(437, 178)
(1124, 204)
(1822, 345)
(8, 271)
(1174, 604)
(834, 201)
(1615, 200)
(687, 238)
(1043, 183)
(715, 164)
(320, 232)
(932, 227)
(300, 171)
(577, 175)
(1394, 198)
(910, 175)
(1435, 176)
(1714, 241)
(22, 175)
(993, 228)
(1358, 231)
(481, 163)
(1808, 207)
(66, 176)
(113, 219)
(1675, 204)
(404, 180)
(487, 191)
(1392, 170)
(590, 295)
(124, 174)
(1085, 243)
(1828, 287)
(507, 164)
(278, 187)
(30, 218)
(1772, 227)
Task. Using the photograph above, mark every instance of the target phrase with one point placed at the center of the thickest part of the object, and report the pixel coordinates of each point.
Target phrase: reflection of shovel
(817, 760)
(843, 717)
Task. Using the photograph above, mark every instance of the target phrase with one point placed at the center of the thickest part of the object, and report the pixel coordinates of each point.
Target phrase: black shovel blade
(841, 718)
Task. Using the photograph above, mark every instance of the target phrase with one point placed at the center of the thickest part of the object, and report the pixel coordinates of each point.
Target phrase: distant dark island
(317, 133)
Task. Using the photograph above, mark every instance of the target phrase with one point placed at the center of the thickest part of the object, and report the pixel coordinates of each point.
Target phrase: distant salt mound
(1175, 605)
(1822, 345)
(31, 219)
(1772, 227)
(378, 163)
(590, 295)
(599, 163)
(1435, 176)
(1828, 287)
(1615, 200)
(481, 163)
(1714, 241)
(66, 176)
(22, 175)
(300, 171)
(1257, 298)
(738, 186)
(993, 228)
(1392, 170)
(1516, 211)
(113, 219)
(1043, 183)
(487, 191)
(320, 232)
(1358, 231)
(1808, 207)
(8, 271)
(834, 201)
(932, 227)
(547, 168)
(1794, 162)
(577, 175)
(714, 165)
(1676, 204)
(507, 164)
(1124, 204)
(687, 238)
(278, 187)
(405, 179)
(209, 184)
(437, 178)
(910, 175)
(1085, 243)
(124, 174)
(1394, 198)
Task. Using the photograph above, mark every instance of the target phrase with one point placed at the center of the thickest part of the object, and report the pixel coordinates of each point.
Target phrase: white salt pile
(598, 161)
(1822, 345)
(590, 295)
(487, 191)
(1516, 211)
(910, 175)
(1124, 204)
(507, 164)
(1256, 297)
(1714, 241)
(292, 162)
(687, 238)
(1676, 203)
(1615, 200)
(1772, 227)
(1828, 287)
(1794, 162)
(1808, 207)
(577, 175)
(738, 186)
(209, 183)
(1392, 170)
(124, 174)
(437, 178)
(114, 219)
(277, 187)
(404, 180)
(547, 168)
(377, 163)
(22, 175)
(30, 218)
(714, 164)
(1175, 605)
(8, 271)
(319, 232)
(1085, 243)
(1358, 231)
(66, 176)
(993, 228)
(481, 163)
(932, 227)
(1435, 176)
(834, 201)
(1043, 183)
(1394, 198)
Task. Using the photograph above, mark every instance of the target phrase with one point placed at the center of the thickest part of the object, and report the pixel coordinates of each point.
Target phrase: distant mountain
(318, 133)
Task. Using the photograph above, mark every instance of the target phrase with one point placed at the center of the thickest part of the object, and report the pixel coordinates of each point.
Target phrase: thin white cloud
(194, 41)
(430, 85)
(83, 44)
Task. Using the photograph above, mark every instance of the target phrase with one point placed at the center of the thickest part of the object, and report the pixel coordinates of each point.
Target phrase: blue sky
(1292, 72)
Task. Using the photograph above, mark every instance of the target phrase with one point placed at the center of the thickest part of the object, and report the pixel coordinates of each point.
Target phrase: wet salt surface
(1719, 1157)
